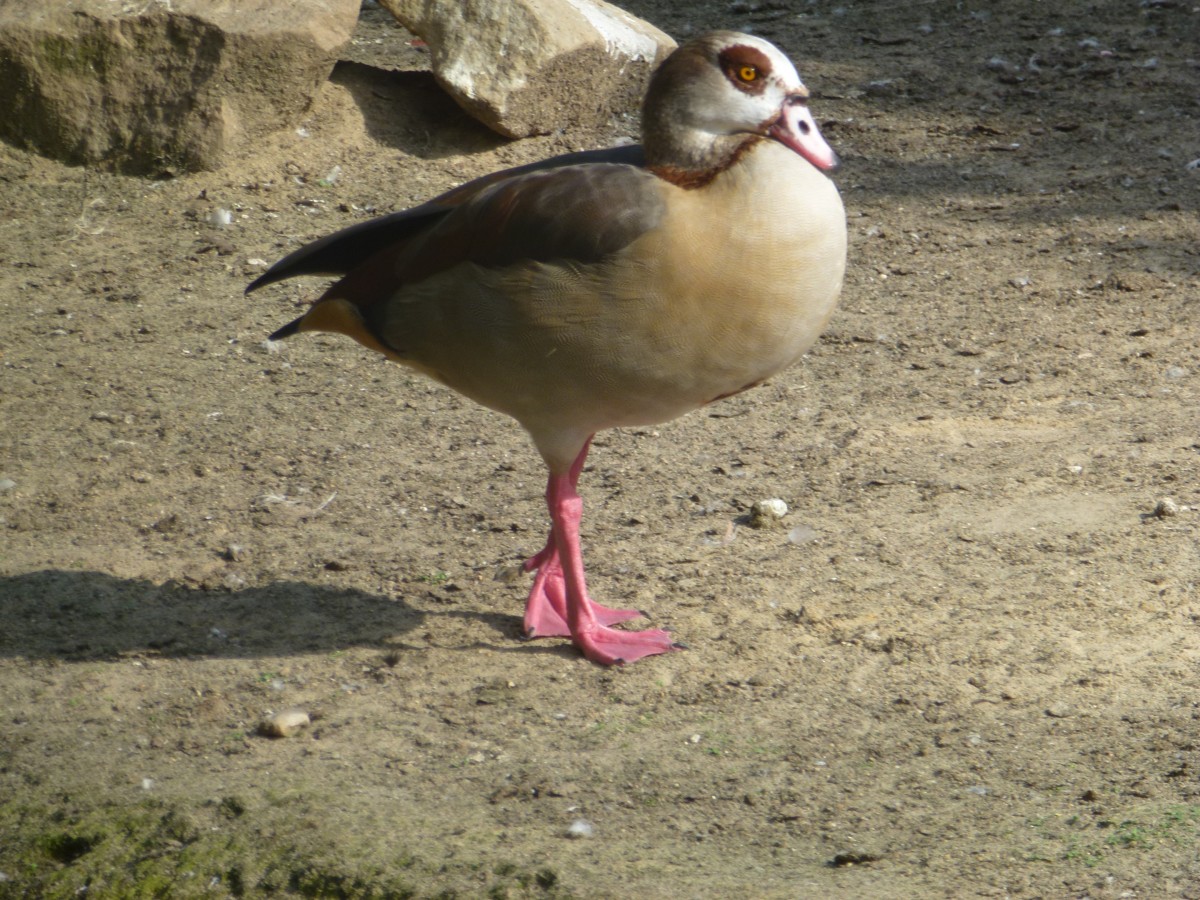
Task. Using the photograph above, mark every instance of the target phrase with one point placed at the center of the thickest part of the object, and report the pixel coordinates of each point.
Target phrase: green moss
(145, 850)
(1146, 829)
(318, 881)
(66, 847)
(150, 848)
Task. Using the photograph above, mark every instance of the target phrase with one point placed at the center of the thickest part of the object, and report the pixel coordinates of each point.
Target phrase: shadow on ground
(81, 615)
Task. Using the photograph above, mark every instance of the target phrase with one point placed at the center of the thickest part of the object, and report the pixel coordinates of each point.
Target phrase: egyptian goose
(609, 288)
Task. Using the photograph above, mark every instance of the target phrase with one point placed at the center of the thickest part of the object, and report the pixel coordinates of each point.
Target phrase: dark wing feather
(578, 213)
(581, 214)
(345, 250)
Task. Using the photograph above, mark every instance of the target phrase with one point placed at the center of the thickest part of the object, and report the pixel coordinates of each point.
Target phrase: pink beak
(797, 129)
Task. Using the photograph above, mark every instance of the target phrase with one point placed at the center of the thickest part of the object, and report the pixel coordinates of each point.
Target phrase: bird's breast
(746, 272)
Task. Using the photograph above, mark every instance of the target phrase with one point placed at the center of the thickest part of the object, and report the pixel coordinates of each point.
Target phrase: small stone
(853, 858)
(767, 513)
(1058, 711)
(1166, 508)
(285, 723)
(7, 484)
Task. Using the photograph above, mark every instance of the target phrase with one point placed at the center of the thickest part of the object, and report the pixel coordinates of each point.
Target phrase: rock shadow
(409, 111)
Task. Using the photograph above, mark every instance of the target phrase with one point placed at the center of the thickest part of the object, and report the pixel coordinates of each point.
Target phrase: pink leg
(565, 589)
(546, 609)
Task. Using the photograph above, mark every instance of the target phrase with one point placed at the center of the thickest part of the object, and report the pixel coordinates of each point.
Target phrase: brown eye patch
(746, 68)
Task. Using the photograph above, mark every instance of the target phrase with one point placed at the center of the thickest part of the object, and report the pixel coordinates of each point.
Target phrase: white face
(761, 93)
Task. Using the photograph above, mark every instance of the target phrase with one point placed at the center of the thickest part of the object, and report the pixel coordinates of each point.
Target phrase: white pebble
(765, 513)
(221, 218)
(581, 828)
(7, 484)
(774, 507)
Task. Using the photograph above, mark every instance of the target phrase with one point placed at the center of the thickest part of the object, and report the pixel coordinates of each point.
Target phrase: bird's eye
(747, 73)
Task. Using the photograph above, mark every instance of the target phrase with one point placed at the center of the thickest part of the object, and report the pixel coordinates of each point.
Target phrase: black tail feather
(287, 330)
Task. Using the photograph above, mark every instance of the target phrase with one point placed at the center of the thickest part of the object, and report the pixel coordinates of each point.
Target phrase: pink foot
(559, 604)
(609, 646)
(546, 609)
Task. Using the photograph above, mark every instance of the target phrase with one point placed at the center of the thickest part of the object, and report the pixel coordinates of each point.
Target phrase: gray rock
(525, 67)
(158, 86)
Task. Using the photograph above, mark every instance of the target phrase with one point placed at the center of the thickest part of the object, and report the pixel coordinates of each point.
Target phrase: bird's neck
(691, 158)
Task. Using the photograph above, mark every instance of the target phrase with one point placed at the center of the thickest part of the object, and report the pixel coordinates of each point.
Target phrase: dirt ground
(966, 664)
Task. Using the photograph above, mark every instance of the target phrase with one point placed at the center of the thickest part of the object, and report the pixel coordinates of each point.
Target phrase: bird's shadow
(78, 615)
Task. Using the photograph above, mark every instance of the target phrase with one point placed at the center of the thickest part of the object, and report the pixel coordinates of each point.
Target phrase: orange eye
(747, 73)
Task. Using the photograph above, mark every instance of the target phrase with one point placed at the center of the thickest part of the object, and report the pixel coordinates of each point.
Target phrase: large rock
(158, 86)
(526, 67)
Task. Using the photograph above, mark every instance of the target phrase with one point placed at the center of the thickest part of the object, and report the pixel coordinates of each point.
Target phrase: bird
(608, 288)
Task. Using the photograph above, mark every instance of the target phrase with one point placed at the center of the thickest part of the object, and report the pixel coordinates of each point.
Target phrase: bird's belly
(626, 357)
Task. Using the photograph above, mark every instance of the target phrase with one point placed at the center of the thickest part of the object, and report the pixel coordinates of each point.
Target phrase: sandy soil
(965, 665)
